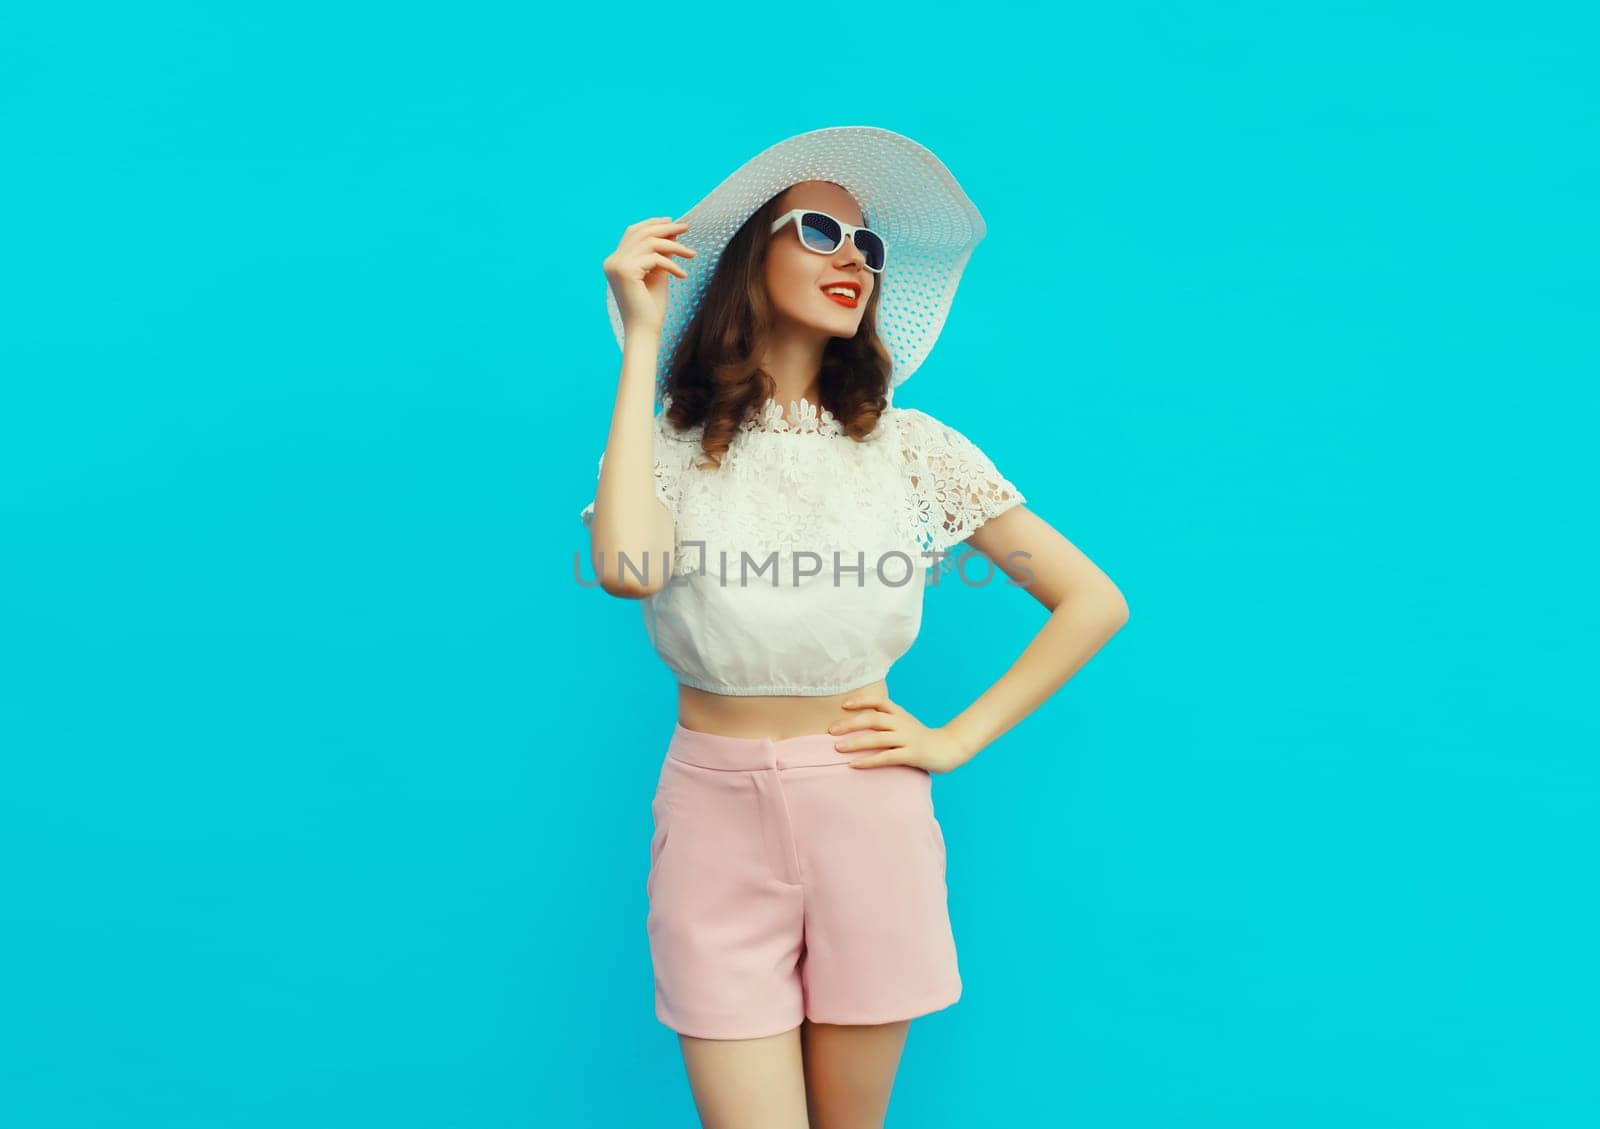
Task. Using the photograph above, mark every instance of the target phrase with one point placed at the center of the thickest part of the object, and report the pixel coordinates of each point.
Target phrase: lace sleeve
(955, 486)
(674, 453)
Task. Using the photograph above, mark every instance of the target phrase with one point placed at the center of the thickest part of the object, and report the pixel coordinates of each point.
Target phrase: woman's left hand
(903, 739)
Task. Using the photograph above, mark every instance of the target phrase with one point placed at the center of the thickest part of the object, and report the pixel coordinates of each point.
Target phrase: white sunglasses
(823, 234)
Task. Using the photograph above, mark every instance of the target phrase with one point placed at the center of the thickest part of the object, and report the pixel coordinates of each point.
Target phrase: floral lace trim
(809, 419)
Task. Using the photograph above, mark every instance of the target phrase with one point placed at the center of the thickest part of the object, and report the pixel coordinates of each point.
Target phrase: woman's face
(795, 276)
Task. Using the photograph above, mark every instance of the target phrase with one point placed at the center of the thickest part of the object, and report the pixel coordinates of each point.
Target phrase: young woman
(798, 914)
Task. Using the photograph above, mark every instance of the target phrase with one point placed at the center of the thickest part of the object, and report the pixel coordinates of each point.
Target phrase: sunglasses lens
(871, 248)
(819, 232)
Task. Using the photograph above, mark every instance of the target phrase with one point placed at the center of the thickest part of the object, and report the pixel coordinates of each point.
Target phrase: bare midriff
(738, 715)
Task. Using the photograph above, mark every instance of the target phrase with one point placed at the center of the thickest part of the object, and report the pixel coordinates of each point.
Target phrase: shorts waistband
(715, 750)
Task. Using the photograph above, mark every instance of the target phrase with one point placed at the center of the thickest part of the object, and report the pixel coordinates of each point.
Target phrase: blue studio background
(325, 795)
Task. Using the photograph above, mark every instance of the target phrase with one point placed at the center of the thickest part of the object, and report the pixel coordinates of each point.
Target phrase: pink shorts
(785, 884)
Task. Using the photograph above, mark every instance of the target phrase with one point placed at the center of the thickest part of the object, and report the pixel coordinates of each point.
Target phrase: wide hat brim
(907, 195)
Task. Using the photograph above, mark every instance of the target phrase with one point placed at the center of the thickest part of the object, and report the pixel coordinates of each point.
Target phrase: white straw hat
(907, 195)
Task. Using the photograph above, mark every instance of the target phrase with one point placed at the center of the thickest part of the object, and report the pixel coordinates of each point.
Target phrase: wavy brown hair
(715, 377)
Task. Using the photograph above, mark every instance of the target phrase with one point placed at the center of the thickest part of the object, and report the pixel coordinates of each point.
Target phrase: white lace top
(801, 561)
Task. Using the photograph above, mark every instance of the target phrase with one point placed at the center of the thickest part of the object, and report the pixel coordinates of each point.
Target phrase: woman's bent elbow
(627, 588)
(1118, 610)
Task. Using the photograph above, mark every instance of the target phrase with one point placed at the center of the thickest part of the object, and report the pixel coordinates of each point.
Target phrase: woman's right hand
(638, 269)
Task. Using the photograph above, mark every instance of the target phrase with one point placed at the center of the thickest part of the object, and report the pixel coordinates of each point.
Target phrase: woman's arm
(1086, 610)
(631, 533)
